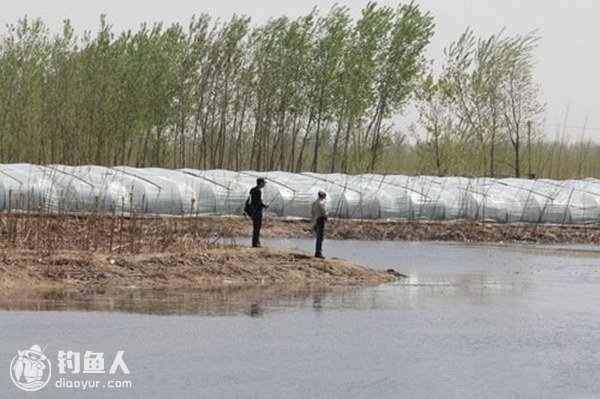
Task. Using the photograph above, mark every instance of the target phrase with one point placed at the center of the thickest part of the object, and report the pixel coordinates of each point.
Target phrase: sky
(567, 58)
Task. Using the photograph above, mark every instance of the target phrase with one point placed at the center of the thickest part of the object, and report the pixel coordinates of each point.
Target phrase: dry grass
(201, 268)
(83, 252)
(79, 252)
(133, 234)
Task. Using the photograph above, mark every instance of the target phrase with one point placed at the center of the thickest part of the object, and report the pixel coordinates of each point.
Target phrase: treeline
(482, 115)
(554, 159)
(322, 92)
(312, 93)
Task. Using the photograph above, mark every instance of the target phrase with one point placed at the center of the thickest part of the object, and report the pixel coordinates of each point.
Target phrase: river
(470, 321)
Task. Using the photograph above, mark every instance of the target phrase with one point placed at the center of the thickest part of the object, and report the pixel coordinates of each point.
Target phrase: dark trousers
(256, 225)
(320, 230)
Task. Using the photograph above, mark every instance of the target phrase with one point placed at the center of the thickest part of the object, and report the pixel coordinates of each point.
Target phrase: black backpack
(248, 208)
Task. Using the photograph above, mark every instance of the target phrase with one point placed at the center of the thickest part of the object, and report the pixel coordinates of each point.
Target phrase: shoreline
(396, 230)
(137, 231)
(84, 253)
(204, 268)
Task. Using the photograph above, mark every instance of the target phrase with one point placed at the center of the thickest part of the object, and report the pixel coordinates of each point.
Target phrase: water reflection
(437, 273)
(416, 291)
(253, 301)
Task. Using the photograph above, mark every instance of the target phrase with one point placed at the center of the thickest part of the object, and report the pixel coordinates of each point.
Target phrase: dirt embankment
(203, 268)
(137, 233)
(341, 229)
(98, 251)
(83, 252)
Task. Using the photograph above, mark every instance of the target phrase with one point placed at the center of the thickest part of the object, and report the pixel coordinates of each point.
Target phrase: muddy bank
(203, 268)
(406, 230)
(139, 233)
(87, 252)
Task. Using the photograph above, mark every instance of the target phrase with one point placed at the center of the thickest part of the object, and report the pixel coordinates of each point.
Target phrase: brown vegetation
(46, 233)
(200, 268)
(83, 252)
(91, 252)
(343, 229)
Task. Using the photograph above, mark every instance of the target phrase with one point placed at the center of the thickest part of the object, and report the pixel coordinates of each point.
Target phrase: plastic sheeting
(56, 188)
(229, 191)
(89, 188)
(300, 192)
(27, 187)
(154, 192)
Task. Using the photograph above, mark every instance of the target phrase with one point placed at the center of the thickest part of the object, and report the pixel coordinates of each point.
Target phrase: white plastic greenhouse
(55, 188)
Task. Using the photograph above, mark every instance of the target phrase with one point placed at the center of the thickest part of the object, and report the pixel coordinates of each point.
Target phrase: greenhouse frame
(192, 192)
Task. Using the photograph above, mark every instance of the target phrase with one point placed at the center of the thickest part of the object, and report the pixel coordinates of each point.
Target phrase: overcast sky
(567, 58)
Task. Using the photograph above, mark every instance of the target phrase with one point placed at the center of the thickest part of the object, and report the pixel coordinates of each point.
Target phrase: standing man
(319, 216)
(257, 206)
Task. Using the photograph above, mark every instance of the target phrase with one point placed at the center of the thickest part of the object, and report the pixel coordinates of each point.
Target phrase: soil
(203, 268)
(83, 252)
(379, 230)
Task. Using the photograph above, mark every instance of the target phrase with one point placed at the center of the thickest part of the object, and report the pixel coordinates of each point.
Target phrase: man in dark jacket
(257, 205)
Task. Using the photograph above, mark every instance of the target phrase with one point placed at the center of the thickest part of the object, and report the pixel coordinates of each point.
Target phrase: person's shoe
(257, 246)
(319, 256)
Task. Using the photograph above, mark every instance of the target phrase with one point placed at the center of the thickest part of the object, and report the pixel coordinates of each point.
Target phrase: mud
(381, 230)
(206, 267)
(80, 253)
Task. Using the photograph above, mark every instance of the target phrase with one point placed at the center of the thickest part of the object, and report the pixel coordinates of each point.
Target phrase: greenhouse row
(191, 192)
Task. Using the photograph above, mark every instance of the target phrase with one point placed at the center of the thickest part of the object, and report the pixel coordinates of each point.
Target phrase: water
(471, 321)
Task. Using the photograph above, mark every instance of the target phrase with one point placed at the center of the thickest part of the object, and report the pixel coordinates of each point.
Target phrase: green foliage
(290, 94)
(318, 92)
(484, 100)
